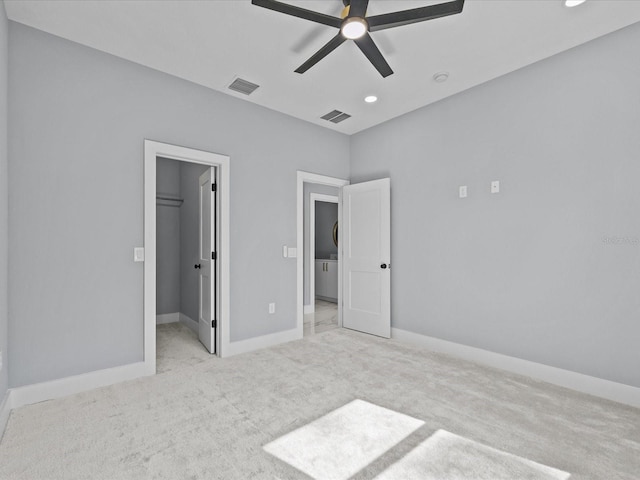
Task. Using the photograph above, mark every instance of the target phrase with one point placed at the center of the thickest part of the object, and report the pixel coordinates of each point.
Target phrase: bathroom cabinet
(326, 280)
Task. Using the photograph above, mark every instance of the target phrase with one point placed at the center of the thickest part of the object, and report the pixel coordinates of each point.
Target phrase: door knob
(197, 265)
(383, 266)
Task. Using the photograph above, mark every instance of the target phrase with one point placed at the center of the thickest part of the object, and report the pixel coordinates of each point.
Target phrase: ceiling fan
(355, 25)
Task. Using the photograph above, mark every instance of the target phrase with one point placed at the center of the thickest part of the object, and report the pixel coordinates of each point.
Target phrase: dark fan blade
(372, 52)
(407, 17)
(299, 12)
(358, 8)
(334, 43)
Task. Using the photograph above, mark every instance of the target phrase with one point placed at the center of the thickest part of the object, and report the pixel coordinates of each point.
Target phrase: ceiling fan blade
(407, 17)
(374, 55)
(358, 8)
(315, 33)
(299, 12)
(334, 43)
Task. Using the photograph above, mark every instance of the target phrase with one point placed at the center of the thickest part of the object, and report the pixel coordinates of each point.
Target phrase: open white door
(366, 237)
(207, 321)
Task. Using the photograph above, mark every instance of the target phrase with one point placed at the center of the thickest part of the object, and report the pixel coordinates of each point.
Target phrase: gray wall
(326, 217)
(549, 269)
(308, 189)
(189, 241)
(4, 203)
(168, 238)
(78, 118)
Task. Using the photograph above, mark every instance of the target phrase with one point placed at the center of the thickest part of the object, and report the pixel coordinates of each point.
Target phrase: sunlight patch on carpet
(344, 441)
(446, 456)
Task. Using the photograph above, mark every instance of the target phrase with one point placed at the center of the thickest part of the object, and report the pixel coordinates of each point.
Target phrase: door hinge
(213, 255)
(214, 324)
(213, 187)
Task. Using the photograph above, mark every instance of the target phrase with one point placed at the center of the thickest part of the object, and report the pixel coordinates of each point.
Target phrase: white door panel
(364, 223)
(207, 265)
(366, 257)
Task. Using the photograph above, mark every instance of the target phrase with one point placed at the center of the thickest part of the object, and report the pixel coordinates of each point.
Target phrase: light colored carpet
(344, 441)
(446, 456)
(178, 347)
(209, 418)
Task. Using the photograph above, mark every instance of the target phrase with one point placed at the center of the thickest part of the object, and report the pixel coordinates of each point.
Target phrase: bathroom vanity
(326, 280)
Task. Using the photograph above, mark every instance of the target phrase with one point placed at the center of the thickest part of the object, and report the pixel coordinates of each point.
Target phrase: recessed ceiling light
(371, 99)
(354, 27)
(441, 77)
(573, 3)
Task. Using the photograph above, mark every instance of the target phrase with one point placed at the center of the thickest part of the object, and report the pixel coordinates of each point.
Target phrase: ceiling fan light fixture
(573, 3)
(354, 27)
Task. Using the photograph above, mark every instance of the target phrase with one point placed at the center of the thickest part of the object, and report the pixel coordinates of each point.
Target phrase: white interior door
(207, 321)
(366, 236)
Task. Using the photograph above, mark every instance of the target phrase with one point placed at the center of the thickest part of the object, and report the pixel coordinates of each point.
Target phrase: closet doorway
(186, 271)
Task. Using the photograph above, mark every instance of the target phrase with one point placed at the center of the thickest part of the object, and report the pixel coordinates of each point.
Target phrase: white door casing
(302, 178)
(366, 257)
(153, 150)
(206, 263)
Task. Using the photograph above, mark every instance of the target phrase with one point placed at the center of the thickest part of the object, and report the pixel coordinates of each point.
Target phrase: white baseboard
(244, 346)
(309, 309)
(167, 318)
(5, 411)
(599, 387)
(189, 322)
(39, 392)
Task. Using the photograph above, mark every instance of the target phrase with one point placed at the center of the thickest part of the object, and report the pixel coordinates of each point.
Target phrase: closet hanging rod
(169, 201)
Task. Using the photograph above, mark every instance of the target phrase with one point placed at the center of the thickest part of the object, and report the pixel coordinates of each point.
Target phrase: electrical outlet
(462, 191)
(272, 308)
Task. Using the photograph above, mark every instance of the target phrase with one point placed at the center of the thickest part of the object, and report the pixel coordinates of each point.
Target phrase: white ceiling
(212, 42)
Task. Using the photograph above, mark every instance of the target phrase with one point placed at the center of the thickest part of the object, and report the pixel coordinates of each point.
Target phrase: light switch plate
(289, 252)
(138, 254)
(495, 186)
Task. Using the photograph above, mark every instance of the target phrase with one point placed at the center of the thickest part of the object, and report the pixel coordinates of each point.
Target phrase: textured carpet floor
(343, 442)
(446, 456)
(209, 418)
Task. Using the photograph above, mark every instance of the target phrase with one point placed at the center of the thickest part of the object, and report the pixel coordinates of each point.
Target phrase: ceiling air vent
(336, 116)
(243, 86)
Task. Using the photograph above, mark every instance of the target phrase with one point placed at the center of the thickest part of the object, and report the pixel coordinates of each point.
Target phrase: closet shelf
(168, 201)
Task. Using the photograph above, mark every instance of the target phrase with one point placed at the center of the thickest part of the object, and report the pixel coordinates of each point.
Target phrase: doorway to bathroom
(324, 264)
(319, 292)
(364, 249)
